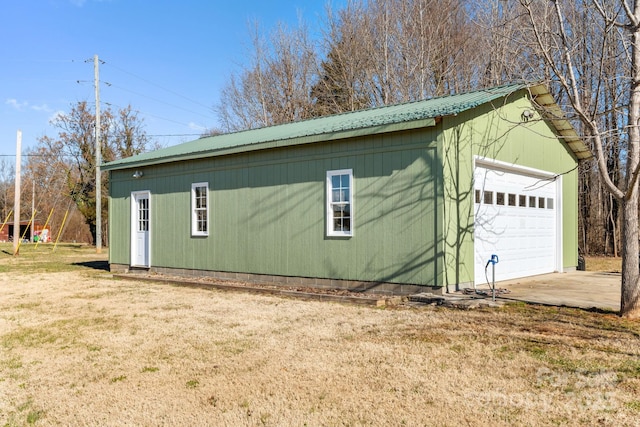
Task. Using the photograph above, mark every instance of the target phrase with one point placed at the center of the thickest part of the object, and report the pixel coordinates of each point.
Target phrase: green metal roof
(366, 122)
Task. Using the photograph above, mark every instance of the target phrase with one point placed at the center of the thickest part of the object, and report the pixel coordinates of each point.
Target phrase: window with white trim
(340, 203)
(200, 209)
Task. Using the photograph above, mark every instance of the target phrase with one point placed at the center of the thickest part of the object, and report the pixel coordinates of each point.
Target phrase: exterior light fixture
(137, 174)
(527, 115)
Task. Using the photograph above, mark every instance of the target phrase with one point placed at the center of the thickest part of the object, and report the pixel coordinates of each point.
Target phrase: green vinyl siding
(498, 132)
(267, 211)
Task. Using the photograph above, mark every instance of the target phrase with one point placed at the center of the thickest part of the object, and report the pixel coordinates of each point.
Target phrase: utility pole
(96, 63)
(16, 203)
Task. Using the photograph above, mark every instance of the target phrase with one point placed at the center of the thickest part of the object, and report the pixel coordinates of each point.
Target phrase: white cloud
(20, 106)
(44, 108)
(197, 127)
(24, 105)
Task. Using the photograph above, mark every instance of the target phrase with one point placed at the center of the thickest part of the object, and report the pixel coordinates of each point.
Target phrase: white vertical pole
(16, 203)
(98, 159)
(33, 207)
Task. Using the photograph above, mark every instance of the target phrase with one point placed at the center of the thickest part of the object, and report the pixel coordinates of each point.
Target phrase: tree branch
(611, 21)
(570, 87)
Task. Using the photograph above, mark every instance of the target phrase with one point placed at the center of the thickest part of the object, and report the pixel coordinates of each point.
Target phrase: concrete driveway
(581, 289)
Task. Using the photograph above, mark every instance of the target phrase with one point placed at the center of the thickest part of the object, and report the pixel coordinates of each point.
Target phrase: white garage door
(516, 219)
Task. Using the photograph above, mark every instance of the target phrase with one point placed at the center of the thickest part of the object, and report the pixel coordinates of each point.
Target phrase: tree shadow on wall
(460, 203)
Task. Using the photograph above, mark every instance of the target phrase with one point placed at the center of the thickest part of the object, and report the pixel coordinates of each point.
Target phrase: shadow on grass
(95, 265)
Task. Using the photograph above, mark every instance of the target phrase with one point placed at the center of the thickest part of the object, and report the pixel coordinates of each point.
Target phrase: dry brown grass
(603, 263)
(79, 348)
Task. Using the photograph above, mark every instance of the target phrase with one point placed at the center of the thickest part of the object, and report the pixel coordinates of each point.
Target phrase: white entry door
(140, 229)
(517, 219)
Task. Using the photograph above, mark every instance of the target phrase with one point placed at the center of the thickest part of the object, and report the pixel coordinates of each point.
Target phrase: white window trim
(329, 211)
(194, 216)
(134, 218)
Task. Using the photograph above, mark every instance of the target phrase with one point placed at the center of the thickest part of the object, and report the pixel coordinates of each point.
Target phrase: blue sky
(168, 59)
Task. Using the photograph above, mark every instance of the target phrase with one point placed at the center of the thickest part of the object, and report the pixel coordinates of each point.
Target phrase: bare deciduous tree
(617, 26)
(64, 166)
(7, 173)
(275, 88)
(127, 136)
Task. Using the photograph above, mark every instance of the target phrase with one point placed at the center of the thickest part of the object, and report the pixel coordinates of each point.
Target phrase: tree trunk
(630, 293)
(92, 230)
(613, 230)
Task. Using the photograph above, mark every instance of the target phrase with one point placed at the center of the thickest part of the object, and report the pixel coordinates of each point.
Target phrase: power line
(158, 100)
(47, 61)
(149, 114)
(159, 86)
(207, 116)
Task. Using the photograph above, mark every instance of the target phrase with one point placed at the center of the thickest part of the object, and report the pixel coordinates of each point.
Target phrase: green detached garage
(397, 199)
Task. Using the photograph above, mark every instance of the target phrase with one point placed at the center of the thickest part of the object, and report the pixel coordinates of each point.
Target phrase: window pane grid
(339, 193)
(510, 199)
(340, 203)
(341, 217)
(200, 222)
(143, 215)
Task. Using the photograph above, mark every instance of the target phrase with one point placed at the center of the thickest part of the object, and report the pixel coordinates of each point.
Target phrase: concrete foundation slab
(580, 289)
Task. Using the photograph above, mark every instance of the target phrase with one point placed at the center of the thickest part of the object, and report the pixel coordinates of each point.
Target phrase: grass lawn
(80, 348)
(601, 263)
